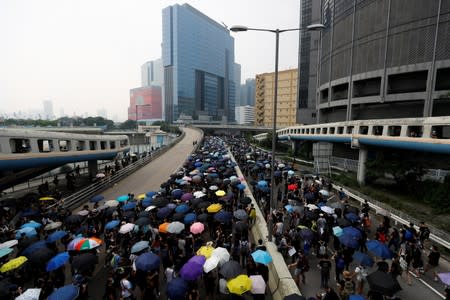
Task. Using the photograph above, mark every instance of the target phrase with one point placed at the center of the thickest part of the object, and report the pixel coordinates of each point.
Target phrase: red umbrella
(292, 187)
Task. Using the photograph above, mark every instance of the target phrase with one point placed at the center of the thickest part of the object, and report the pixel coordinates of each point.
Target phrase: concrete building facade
(198, 61)
(384, 59)
(145, 104)
(287, 99)
(245, 114)
(152, 73)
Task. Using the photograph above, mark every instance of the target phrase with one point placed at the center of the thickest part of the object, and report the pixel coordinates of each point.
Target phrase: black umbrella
(241, 226)
(383, 283)
(294, 297)
(231, 269)
(129, 214)
(74, 219)
(245, 200)
(203, 217)
(84, 262)
(344, 222)
(143, 214)
(177, 216)
(142, 221)
(41, 256)
(196, 201)
(109, 211)
(160, 202)
(5, 288)
(352, 209)
(203, 204)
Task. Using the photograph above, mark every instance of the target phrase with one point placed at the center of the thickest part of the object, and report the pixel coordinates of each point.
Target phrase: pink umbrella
(197, 228)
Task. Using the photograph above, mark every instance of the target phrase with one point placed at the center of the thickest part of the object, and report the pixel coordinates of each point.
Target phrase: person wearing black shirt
(433, 261)
(325, 268)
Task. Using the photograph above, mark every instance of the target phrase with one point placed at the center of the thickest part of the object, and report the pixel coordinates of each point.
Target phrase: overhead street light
(241, 28)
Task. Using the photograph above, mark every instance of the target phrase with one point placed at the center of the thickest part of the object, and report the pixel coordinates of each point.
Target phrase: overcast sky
(85, 55)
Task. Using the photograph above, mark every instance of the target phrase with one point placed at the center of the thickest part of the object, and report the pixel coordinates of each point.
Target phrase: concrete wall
(281, 283)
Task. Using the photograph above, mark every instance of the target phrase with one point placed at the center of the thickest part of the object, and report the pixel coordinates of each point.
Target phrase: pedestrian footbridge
(25, 153)
(419, 134)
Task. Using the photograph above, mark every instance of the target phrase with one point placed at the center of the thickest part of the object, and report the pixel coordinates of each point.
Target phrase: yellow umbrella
(13, 264)
(239, 284)
(140, 197)
(220, 193)
(206, 251)
(213, 208)
(47, 199)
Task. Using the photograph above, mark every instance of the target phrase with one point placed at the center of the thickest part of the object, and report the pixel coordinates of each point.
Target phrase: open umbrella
(31, 224)
(147, 262)
(57, 261)
(34, 247)
(239, 285)
(47, 199)
(67, 292)
(27, 231)
(220, 193)
(9, 244)
(164, 212)
(352, 217)
(337, 231)
(324, 193)
(206, 251)
(444, 277)
(175, 227)
(294, 297)
(182, 208)
(126, 228)
(112, 203)
(74, 219)
(150, 194)
(163, 227)
(160, 202)
(312, 206)
(53, 225)
(55, 236)
(306, 234)
(210, 264)
(258, 285)
(87, 244)
(350, 237)
(84, 262)
(245, 200)
(204, 217)
(223, 216)
(112, 224)
(13, 264)
(5, 251)
(383, 283)
(177, 289)
(231, 269)
(379, 249)
(363, 258)
(41, 256)
(186, 197)
(190, 218)
(222, 254)
(142, 221)
(240, 214)
(29, 294)
(327, 209)
(261, 257)
(241, 226)
(197, 228)
(97, 198)
(139, 246)
(129, 206)
(191, 271)
(72, 243)
(213, 208)
(343, 222)
(122, 198)
(83, 213)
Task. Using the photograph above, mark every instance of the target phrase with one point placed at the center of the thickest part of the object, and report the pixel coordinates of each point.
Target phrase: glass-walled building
(198, 61)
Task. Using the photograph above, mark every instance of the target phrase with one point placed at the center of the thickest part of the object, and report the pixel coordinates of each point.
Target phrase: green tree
(128, 124)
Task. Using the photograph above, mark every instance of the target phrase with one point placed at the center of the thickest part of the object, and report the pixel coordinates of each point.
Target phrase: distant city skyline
(79, 55)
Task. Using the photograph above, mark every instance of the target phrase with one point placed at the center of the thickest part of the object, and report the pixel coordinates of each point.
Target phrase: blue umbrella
(33, 247)
(139, 246)
(223, 216)
(363, 258)
(356, 297)
(289, 208)
(57, 261)
(379, 249)
(112, 224)
(241, 186)
(198, 164)
(67, 292)
(122, 198)
(57, 235)
(177, 288)
(97, 198)
(177, 193)
(5, 251)
(27, 231)
(146, 202)
(262, 257)
(163, 212)
(29, 212)
(189, 218)
(171, 206)
(150, 194)
(129, 206)
(350, 237)
(31, 224)
(352, 217)
(183, 208)
(262, 184)
(147, 262)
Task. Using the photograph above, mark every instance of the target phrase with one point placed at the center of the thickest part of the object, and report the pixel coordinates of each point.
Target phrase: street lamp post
(239, 28)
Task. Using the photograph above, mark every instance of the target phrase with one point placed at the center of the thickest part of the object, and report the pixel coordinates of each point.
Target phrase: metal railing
(77, 199)
(437, 235)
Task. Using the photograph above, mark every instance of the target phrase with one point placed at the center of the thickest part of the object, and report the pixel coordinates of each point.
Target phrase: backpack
(340, 263)
(244, 247)
(408, 235)
(348, 288)
(426, 233)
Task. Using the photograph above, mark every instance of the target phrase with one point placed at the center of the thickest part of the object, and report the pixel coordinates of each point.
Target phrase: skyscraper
(198, 61)
(248, 92)
(152, 73)
(48, 109)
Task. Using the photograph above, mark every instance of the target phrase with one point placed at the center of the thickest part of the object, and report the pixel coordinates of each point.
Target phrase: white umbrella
(211, 263)
(199, 194)
(9, 244)
(324, 193)
(83, 213)
(126, 228)
(112, 203)
(52, 225)
(100, 175)
(312, 206)
(30, 294)
(175, 227)
(222, 254)
(281, 166)
(214, 188)
(150, 208)
(258, 284)
(327, 209)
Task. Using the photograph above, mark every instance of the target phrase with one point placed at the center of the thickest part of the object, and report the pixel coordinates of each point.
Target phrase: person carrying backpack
(244, 246)
(348, 286)
(325, 268)
(301, 267)
(339, 265)
(322, 251)
(251, 214)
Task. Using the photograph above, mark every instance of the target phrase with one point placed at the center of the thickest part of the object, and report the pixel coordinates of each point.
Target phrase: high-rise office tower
(198, 60)
(152, 73)
(48, 109)
(248, 92)
(307, 62)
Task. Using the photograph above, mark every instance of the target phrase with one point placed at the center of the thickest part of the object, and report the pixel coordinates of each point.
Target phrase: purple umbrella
(445, 278)
(186, 197)
(191, 271)
(198, 259)
(164, 212)
(176, 194)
